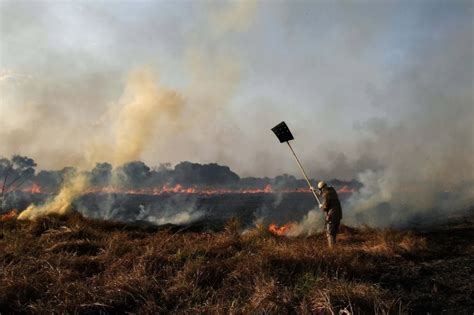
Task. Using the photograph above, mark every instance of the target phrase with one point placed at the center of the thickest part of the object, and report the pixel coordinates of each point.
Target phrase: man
(332, 209)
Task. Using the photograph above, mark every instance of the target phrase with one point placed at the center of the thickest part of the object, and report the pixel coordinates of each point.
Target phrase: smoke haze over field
(379, 92)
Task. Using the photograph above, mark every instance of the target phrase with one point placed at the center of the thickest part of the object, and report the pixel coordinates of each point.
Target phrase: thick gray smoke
(426, 156)
(414, 159)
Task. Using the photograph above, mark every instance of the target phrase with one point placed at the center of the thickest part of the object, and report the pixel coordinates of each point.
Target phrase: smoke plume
(311, 223)
(143, 105)
(61, 203)
(148, 111)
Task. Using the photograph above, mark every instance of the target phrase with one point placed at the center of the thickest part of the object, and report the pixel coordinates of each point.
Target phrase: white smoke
(174, 210)
(311, 223)
(178, 218)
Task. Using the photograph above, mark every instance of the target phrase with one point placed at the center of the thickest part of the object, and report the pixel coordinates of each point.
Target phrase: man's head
(322, 185)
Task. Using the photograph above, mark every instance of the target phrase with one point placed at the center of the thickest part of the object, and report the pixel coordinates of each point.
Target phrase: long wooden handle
(304, 173)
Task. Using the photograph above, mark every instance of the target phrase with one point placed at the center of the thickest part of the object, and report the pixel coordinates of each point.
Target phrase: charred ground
(78, 265)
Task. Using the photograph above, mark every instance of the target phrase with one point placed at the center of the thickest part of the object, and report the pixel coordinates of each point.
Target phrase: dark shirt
(331, 205)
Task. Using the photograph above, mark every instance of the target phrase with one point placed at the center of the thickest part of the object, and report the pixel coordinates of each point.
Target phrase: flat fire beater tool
(283, 134)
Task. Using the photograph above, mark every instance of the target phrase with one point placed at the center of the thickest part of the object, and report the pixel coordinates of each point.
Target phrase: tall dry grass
(73, 264)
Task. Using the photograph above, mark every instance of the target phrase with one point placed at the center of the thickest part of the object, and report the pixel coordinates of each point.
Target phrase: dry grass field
(77, 265)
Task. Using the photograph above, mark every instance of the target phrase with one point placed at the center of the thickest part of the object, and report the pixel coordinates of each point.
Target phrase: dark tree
(133, 174)
(14, 173)
(101, 174)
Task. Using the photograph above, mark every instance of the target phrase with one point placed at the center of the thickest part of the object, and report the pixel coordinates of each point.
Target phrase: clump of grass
(393, 243)
(353, 298)
(76, 247)
(233, 226)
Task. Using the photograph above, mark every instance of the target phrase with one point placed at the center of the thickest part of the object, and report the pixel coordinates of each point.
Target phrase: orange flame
(346, 190)
(8, 216)
(281, 230)
(35, 189)
(180, 189)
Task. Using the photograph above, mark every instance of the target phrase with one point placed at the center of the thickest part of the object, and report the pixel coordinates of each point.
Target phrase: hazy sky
(356, 81)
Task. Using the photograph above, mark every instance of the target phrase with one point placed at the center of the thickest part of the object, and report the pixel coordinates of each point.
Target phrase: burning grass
(73, 264)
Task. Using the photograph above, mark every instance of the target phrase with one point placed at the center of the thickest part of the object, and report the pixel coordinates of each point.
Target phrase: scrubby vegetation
(73, 264)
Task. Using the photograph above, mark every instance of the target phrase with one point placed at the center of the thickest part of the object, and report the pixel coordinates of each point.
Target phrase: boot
(331, 241)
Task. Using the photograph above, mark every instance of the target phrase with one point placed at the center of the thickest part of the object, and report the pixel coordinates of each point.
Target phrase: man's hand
(314, 190)
(320, 206)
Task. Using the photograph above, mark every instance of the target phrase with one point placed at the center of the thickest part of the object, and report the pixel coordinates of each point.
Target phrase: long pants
(331, 231)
